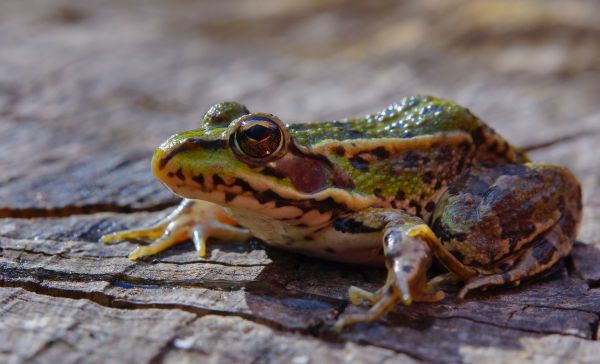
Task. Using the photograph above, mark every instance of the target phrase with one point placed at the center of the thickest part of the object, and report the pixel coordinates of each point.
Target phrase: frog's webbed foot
(408, 257)
(197, 220)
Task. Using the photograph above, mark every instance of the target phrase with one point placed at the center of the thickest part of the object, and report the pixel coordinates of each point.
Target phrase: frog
(423, 180)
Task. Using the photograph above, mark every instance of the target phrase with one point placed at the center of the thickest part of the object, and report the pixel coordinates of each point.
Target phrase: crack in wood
(64, 255)
(548, 332)
(106, 300)
(66, 211)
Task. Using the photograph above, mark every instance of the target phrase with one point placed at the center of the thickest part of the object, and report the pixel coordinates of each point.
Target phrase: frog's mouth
(249, 190)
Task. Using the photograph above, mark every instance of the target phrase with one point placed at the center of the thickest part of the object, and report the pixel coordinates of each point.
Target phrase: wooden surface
(88, 89)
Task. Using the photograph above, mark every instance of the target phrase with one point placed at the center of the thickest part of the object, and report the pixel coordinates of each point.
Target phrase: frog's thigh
(193, 219)
(512, 222)
(407, 256)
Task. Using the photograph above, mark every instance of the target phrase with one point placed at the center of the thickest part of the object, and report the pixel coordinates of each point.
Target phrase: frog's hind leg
(509, 222)
(408, 257)
(198, 220)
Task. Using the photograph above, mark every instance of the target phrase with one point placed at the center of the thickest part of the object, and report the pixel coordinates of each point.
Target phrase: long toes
(160, 245)
(430, 296)
(358, 295)
(384, 305)
(149, 233)
(199, 241)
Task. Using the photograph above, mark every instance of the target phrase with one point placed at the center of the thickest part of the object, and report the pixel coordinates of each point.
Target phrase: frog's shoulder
(411, 117)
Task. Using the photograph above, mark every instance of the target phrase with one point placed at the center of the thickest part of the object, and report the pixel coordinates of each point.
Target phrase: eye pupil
(259, 137)
(259, 132)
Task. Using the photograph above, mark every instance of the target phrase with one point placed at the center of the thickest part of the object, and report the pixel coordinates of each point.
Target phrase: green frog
(423, 178)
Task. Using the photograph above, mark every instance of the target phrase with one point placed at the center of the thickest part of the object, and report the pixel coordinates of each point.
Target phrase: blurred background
(89, 80)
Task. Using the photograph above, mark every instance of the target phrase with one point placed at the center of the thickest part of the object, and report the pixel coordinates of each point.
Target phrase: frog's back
(410, 152)
(415, 116)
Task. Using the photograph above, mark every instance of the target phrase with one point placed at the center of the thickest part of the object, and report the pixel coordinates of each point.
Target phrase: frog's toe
(152, 232)
(217, 229)
(158, 246)
(386, 302)
(443, 279)
(396, 289)
(358, 295)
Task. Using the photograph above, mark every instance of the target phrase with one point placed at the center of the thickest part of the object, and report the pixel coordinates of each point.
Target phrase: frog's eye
(259, 136)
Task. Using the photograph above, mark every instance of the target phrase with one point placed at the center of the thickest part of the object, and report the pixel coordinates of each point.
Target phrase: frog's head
(250, 160)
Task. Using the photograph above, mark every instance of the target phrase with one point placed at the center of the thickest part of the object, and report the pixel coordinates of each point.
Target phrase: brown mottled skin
(423, 178)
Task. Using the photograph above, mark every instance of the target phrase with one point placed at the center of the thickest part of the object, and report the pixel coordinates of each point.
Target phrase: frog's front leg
(193, 219)
(407, 247)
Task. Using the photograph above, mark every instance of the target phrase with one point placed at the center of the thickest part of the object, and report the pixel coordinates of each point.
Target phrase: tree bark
(88, 89)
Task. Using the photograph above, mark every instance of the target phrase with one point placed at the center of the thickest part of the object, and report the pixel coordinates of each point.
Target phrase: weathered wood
(88, 89)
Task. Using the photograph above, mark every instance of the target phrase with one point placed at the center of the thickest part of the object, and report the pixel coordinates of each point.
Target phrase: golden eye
(259, 137)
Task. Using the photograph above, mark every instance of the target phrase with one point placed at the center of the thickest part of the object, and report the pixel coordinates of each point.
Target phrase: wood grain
(88, 89)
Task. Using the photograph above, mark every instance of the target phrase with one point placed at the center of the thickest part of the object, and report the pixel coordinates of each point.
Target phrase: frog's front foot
(408, 256)
(193, 219)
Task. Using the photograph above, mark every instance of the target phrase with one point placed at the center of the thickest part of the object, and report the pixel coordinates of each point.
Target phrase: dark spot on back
(411, 159)
(416, 205)
(478, 136)
(428, 177)
(355, 133)
(377, 192)
(359, 163)
(400, 195)
(444, 155)
(430, 206)
(339, 150)
(460, 237)
(330, 250)
(493, 147)
(380, 152)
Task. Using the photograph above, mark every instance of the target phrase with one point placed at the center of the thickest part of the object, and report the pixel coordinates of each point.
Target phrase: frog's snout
(156, 163)
(182, 164)
(164, 156)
